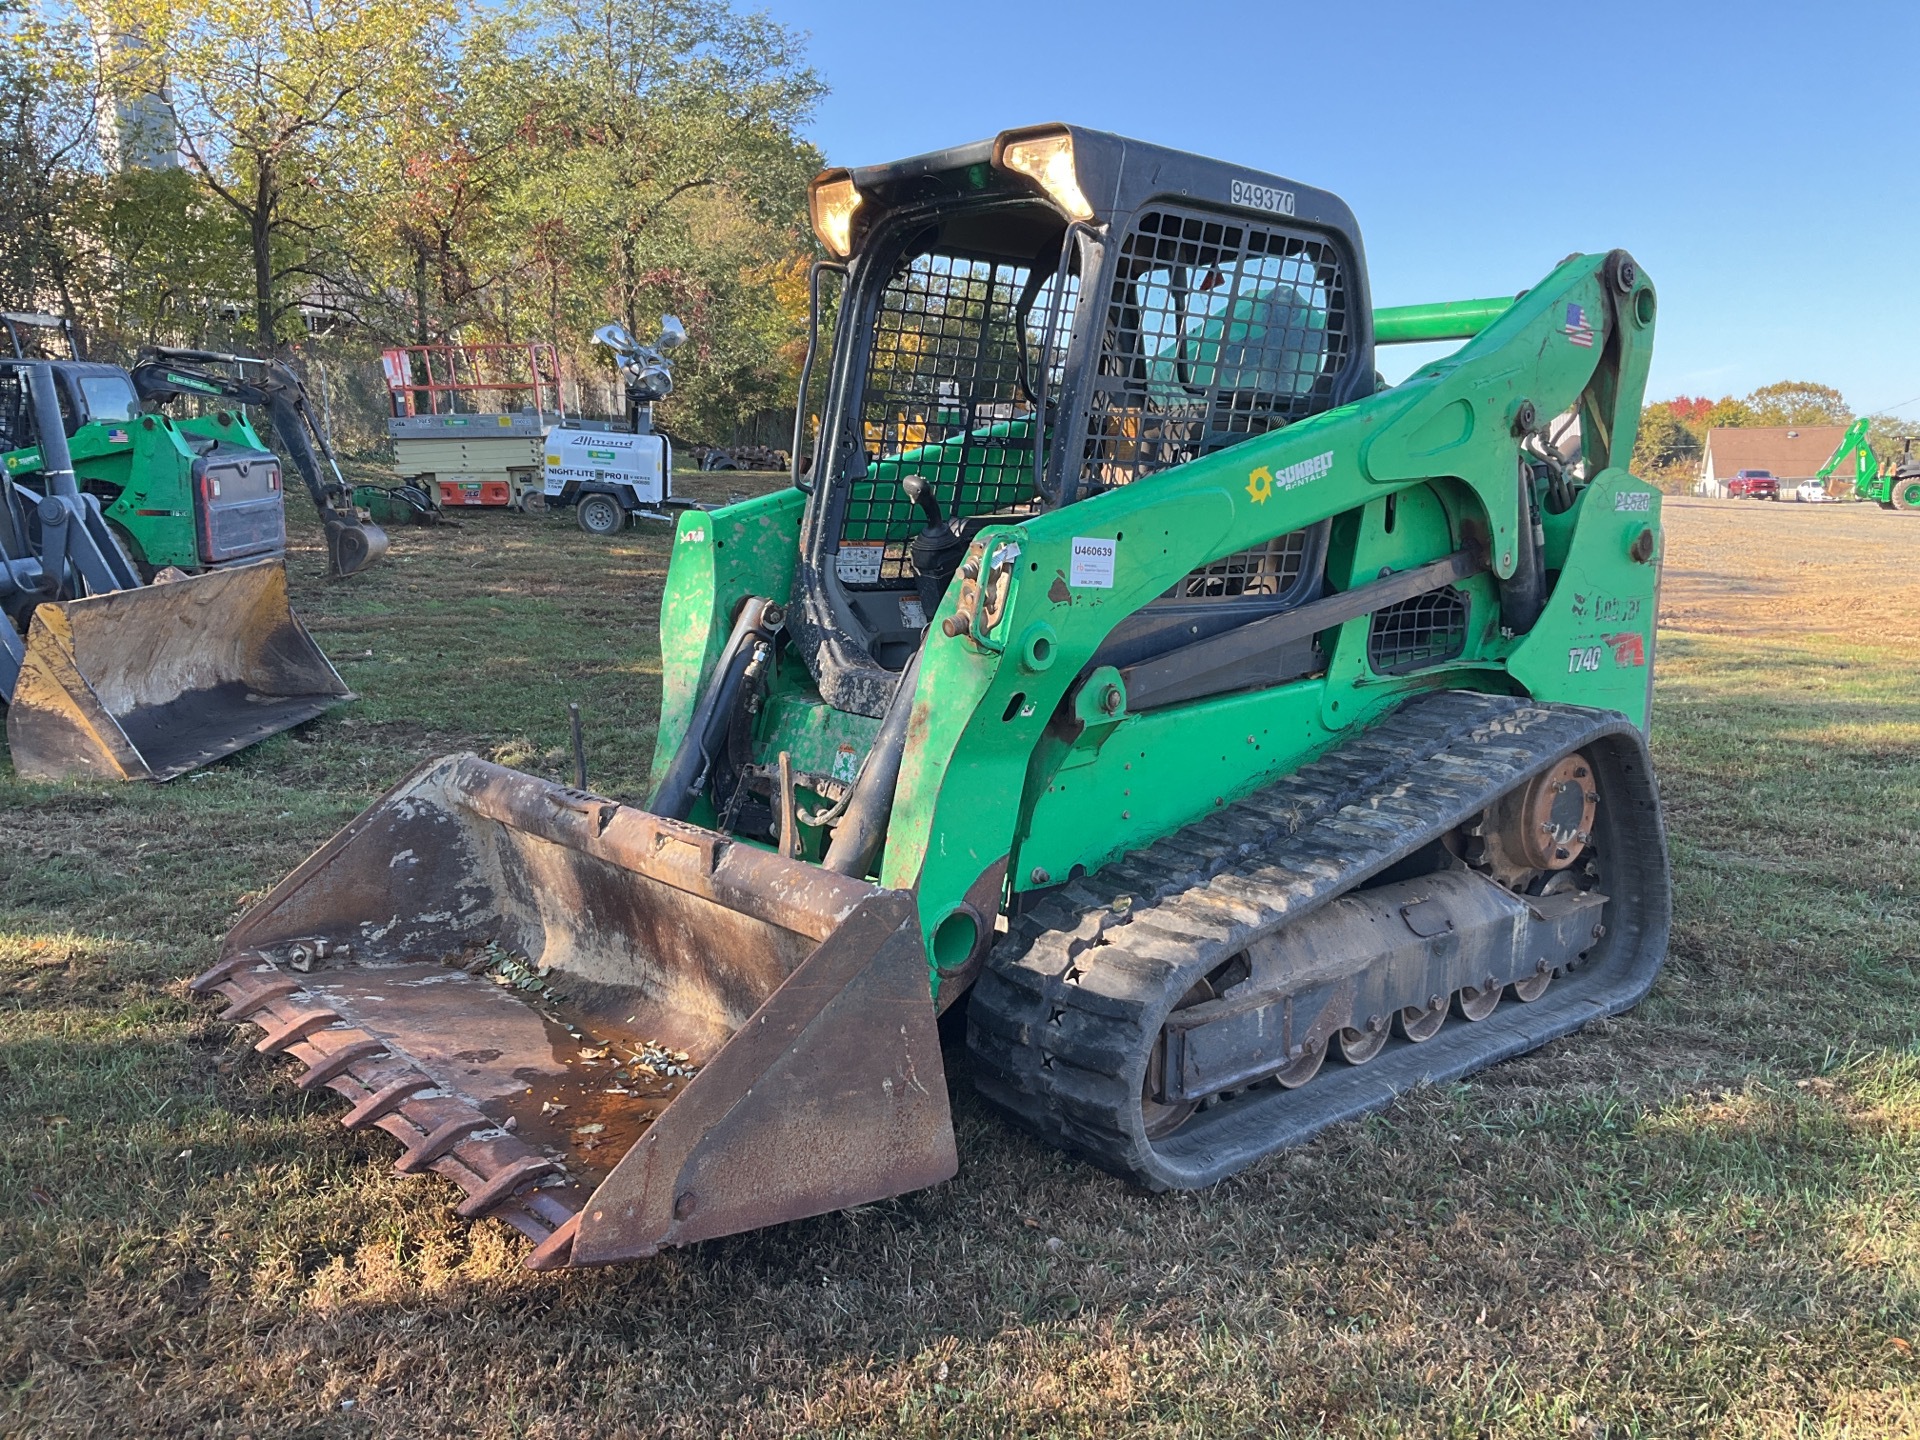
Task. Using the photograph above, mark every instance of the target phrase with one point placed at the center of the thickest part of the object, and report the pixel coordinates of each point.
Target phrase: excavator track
(1073, 1006)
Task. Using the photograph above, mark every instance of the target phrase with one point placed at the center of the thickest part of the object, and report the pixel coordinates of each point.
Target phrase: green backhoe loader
(1893, 487)
(1239, 741)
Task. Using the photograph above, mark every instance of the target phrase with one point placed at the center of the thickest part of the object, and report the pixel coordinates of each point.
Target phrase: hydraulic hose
(856, 839)
(680, 787)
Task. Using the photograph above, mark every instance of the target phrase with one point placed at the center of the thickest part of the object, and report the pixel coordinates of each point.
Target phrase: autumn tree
(282, 106)
(1664, 445)
(1690, 411)
(1727, 411)
(1798, 402)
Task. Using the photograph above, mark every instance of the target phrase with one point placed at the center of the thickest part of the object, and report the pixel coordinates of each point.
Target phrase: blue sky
(1762, 161)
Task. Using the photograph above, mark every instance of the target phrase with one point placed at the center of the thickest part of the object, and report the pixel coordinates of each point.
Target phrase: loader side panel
(720, 557)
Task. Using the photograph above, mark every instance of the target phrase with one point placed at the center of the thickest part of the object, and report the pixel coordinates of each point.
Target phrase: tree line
(1671, 445)
(253, 173)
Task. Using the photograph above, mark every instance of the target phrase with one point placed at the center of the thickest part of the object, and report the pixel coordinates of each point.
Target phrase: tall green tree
(646, 103)
(47, 109)
(282, 104)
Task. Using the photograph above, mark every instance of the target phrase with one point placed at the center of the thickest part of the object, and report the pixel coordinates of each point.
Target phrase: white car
(1812, 492)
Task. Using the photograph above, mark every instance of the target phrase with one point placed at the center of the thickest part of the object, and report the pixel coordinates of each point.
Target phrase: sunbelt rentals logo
(1262, 482)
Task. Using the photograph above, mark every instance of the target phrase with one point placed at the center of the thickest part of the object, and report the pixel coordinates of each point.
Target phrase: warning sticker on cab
(1092, 566)
(859, 564)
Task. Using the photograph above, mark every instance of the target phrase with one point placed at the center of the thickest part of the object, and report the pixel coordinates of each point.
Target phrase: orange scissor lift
(469, 422)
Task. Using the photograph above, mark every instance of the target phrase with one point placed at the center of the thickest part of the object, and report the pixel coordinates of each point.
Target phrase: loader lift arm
(160, 375)
(1866, 464)
(73, 552)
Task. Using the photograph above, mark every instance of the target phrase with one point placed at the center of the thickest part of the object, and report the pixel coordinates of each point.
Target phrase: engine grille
(1425, 630)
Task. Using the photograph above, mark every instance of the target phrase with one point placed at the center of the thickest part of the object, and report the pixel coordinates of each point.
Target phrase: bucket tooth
(510, 1179)
(257, 997)
(232, 965)
(556, 1250)
(296, 1027)
(720, 1037)
(339, 1061)
(442, 1138)
(385, 1101)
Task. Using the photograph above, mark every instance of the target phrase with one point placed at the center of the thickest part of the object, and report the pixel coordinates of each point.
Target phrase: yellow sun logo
(1260, 485)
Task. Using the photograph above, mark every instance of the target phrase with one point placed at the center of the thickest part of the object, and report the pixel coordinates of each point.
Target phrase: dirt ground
(1699, 1218)
(1754, 568)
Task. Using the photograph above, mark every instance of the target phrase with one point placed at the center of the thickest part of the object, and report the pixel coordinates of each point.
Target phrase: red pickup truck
(1753, 485)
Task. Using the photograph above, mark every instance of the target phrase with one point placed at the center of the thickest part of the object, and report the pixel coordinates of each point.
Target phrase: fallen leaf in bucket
(588, 1129)
(599, 1053)
(548, 1107)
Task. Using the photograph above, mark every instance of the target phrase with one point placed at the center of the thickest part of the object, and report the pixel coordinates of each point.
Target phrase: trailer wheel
(600, 515)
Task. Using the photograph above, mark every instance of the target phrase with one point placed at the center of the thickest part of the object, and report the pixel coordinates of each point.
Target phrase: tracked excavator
(1240, 740)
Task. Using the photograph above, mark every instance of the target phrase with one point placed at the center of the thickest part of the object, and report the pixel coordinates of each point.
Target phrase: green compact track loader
(1240, 740)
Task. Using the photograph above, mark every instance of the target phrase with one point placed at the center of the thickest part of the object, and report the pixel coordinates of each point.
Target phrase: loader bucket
(150, 683)
(616, 1032)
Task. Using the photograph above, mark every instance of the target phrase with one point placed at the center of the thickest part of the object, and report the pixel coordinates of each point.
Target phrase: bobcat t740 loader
(1239, 739)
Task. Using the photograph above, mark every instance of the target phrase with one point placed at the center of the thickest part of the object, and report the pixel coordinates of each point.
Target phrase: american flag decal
(1577, 328)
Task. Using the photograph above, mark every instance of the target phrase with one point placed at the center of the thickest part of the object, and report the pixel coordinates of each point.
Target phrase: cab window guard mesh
(15, 430)
(1216, 329)
(1268, 571)
(946, 396)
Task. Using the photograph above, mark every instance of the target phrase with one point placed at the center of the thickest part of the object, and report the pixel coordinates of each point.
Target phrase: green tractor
(1893, 487)
(1226, 740)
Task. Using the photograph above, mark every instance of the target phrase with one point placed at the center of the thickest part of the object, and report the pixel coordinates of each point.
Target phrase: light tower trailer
(613, 471)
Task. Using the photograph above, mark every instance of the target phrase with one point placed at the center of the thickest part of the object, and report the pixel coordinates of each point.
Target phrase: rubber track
(1064, 1017)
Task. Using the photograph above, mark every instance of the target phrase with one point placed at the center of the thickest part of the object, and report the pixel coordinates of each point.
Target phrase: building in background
(1792, 453)
(138, 128)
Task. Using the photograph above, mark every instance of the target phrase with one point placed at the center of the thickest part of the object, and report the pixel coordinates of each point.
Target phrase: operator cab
(1040, 318)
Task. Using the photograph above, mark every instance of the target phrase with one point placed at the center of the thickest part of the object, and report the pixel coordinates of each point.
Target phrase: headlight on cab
(831, 200)
(1046, 158)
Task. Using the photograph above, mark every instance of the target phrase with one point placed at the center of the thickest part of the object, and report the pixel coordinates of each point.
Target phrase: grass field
(1702, 1218)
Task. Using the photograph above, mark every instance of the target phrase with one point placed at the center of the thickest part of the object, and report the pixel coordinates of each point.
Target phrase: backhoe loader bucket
(353, 546)
(614, 1031)
(149, 683)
